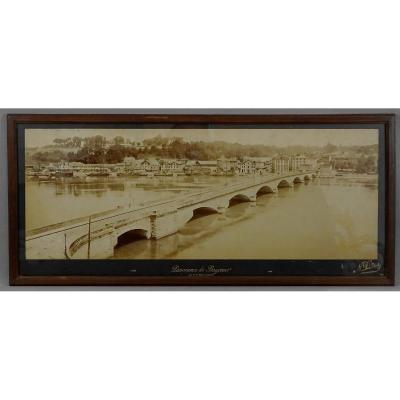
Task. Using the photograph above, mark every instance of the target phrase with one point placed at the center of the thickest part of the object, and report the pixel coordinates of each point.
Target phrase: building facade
(228, 165)
(297, 162)
(281, 164)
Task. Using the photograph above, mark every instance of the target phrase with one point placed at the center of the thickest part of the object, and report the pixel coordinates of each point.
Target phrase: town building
(134, 166)
(189, 167)
(311, 163)
(206, 167)
(129, 162)
(171, 166)
(261, 165)
(228, 165)
(151, 165)
(324, 159)
(280, 164)
(247, 167)
(297, 162)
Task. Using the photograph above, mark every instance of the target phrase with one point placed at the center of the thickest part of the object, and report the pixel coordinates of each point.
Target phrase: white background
(199, 344)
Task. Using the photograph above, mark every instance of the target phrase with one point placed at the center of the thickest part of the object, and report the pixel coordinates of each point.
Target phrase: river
(328, 218)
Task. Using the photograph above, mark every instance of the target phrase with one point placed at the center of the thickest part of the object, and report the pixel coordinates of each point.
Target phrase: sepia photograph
(223, 193)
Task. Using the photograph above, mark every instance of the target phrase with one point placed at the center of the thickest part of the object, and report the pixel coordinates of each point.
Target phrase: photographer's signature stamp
(368, 267)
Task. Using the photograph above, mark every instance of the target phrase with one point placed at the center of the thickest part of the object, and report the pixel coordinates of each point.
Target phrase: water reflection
(237, 211)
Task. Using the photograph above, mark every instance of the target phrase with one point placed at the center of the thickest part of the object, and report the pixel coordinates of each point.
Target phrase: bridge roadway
(70, 239)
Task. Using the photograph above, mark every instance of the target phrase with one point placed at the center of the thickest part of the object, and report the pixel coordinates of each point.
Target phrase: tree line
(362, 165)
(97, 149)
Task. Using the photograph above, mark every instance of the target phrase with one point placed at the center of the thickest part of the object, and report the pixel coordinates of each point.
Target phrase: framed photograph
(134, 199)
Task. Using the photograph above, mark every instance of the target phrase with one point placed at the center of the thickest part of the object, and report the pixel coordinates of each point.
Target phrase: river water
(328, 218)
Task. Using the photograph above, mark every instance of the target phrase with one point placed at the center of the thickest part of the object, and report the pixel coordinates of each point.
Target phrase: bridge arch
(297, 179)
(203, 211)
(131, 235)
(307, 177)
(189, 214)
(264, 190)
(238, 198)
(283, 183)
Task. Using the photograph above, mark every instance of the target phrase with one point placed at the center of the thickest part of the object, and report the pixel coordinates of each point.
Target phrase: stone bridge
(96, 236)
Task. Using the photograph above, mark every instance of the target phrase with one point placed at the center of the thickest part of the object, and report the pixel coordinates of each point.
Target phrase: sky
(271, 137)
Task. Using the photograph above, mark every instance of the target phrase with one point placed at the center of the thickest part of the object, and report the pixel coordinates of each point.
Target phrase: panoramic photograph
(271, 194)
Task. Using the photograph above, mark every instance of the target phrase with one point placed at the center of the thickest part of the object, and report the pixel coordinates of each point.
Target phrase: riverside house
(171, 166)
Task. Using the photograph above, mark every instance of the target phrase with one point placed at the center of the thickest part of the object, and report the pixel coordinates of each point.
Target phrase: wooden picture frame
(205, 271)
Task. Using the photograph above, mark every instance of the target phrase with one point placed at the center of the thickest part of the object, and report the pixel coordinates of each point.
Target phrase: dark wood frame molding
(387, 119)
